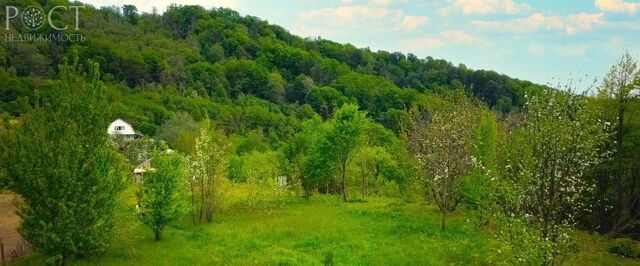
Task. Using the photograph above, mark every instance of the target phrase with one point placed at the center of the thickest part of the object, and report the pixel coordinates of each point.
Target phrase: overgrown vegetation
(266, 129)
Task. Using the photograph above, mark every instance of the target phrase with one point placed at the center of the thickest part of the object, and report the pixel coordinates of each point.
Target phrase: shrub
(626, 248)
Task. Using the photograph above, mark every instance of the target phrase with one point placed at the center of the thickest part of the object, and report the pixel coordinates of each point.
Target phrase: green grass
(378, 232)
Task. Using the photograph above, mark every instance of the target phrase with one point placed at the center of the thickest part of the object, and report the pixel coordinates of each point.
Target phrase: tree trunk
(600, 223)
(157, 233)
(619, 204)
(364, 186)
(344, 173)
(442, 220)
(66, 258)
(376, 178)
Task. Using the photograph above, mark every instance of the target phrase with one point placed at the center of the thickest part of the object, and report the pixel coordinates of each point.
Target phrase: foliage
(161, 196)
(443, 147)
(207, 174)
(370, 164)
(617, 99)
(544, 169)
(180, 133)
(276, 99)
(59, 159)
(344, 137)
(626, 248)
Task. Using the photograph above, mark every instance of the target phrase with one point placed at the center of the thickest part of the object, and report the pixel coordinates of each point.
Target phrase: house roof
(126, 129)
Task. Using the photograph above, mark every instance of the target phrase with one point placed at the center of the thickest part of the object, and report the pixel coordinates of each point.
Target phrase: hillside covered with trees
(240, 117)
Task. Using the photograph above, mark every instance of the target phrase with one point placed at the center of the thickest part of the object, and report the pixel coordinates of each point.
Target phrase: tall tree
(344, 137)
(60, 161)
(160, 199)
(619, 86)
(207, 173)
(130, 13)
(443, 147)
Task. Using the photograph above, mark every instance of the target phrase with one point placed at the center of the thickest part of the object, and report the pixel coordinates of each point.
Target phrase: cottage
(120, 128)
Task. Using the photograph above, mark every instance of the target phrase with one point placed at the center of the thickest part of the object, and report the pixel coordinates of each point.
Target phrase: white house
(121, 128)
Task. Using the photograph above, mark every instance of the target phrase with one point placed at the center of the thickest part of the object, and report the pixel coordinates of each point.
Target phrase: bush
(262, 195)
(390, 189)
(626, 248)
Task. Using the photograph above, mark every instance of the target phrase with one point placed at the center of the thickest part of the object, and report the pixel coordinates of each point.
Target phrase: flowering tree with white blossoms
(207, 173)
(543, 176)
(443, 146)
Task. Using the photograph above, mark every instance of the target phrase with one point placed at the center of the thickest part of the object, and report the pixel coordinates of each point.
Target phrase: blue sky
(542, 41)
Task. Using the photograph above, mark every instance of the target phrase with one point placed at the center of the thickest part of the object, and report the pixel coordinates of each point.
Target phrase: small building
(120, 128)
(146, 166)
(139, 171)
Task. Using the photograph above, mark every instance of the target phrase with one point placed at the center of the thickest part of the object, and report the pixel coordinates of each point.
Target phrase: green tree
(344, 137)
(60, 161)
(325, 100)
(130, 13)
(180, 132)
(300, 88)
(215, 53)
(275, 91)
(370, 163)
(616, 94)
(298, 150)
(160, 199)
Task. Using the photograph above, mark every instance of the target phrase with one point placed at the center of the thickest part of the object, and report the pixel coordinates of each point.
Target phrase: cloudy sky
(537, 40)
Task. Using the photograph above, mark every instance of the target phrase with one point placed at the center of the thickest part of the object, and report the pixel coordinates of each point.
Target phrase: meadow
(321, 230)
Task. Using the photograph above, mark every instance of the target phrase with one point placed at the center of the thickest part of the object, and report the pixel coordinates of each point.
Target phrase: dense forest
(242, 101)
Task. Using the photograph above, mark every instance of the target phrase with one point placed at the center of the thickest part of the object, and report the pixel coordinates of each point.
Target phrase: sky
(544, 41)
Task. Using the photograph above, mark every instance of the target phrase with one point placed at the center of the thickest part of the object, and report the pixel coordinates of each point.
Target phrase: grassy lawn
(322, 229)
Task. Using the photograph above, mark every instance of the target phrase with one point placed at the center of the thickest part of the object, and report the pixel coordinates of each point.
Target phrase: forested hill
(217, 63)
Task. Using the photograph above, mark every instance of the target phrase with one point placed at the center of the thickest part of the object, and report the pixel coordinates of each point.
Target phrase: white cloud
(382, 2)
(617, 6)
(531, 23)
(572, 50)
(484, 7)
(461, 37)
(538, 21)
(445, 38)
(583, 21)
(410, 23)
(361, 17)
(424, 42)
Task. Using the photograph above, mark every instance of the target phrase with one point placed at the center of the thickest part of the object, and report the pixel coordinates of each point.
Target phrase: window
(119, 128)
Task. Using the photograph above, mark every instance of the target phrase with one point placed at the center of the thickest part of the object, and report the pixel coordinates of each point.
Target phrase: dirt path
(9, 223)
